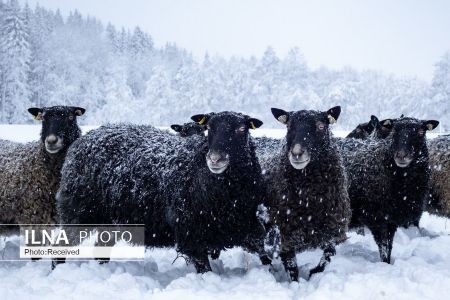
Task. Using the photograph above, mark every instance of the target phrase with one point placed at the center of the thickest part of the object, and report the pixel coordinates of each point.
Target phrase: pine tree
(113, 38)
(15, 59)
(140, 43)
(441, 90)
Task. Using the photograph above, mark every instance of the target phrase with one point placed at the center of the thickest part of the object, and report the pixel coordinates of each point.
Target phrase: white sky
(405, 37)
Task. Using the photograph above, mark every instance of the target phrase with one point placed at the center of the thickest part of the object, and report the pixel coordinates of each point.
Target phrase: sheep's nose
(51, 139)
(401, 154)
(297, 150)
(214, 157)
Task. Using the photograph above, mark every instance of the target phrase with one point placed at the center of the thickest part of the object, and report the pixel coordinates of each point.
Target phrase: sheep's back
(115, 174)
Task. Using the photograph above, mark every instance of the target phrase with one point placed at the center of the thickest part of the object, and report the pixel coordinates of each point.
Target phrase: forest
(120, 75)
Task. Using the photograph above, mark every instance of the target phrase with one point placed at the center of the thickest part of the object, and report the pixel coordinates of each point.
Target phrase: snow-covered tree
(440, 102)
(14, 63)
(118, 75)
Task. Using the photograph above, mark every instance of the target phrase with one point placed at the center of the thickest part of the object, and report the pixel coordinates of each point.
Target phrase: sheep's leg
(71, 234)
(215, 254)
(360, 231)
(258, 248)
(265, 259)
(384, 237)
(57, 261)
(290, 264)
(201, 263)
(328, 251)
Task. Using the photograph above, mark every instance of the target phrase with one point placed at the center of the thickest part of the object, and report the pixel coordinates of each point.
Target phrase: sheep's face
(228, 138)
(59, 126)
(188, 129)
(385, 128)
(408, 139)
(364, 130)
(307, 133)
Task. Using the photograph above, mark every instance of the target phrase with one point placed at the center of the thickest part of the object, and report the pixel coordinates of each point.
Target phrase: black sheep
(200, 194)
(388, 180)
(307, 190)
(365, 130)
(188, 129)
(438, 148)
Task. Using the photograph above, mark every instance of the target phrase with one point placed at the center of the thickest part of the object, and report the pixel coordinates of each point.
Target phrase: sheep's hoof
(202, 267)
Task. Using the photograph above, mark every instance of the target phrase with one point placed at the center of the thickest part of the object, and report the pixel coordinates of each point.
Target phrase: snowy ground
(421, 269)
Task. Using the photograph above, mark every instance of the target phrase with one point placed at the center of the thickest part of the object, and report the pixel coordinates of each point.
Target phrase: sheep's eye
(71, 117)
(241, 129)
(421, 132)
(320, 126)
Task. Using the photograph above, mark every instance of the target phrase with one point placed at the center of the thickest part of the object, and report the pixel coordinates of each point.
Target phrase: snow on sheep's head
(307, 133)
(408, 139)
(228, 137)
(364, 130)
(384, 129)
(189, 129)
(59, 126)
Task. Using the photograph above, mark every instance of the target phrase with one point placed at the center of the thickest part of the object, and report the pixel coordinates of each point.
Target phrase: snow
(27, 133)
(420, 269)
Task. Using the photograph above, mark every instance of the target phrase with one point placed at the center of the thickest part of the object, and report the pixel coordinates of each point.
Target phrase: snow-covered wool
(388, 180)
(307, 188)
(30, 173)
(266, 146)
(365, 130)
(188, 129)
(6, 143)
(439, 153)
(198, 193)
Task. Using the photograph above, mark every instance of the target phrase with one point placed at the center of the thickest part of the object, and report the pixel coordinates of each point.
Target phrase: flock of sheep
(204, 193)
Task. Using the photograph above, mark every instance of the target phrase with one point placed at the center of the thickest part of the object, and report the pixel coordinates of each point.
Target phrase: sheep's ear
(281, 115)
(254, 123)
(387, 124)
(374, 122)
(430, 124)
(201, 119)
(176, 127)
(36, 112)
(78, 111)
(333, 114)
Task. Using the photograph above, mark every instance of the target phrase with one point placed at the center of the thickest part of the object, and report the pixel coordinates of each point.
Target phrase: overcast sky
(405, 37)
